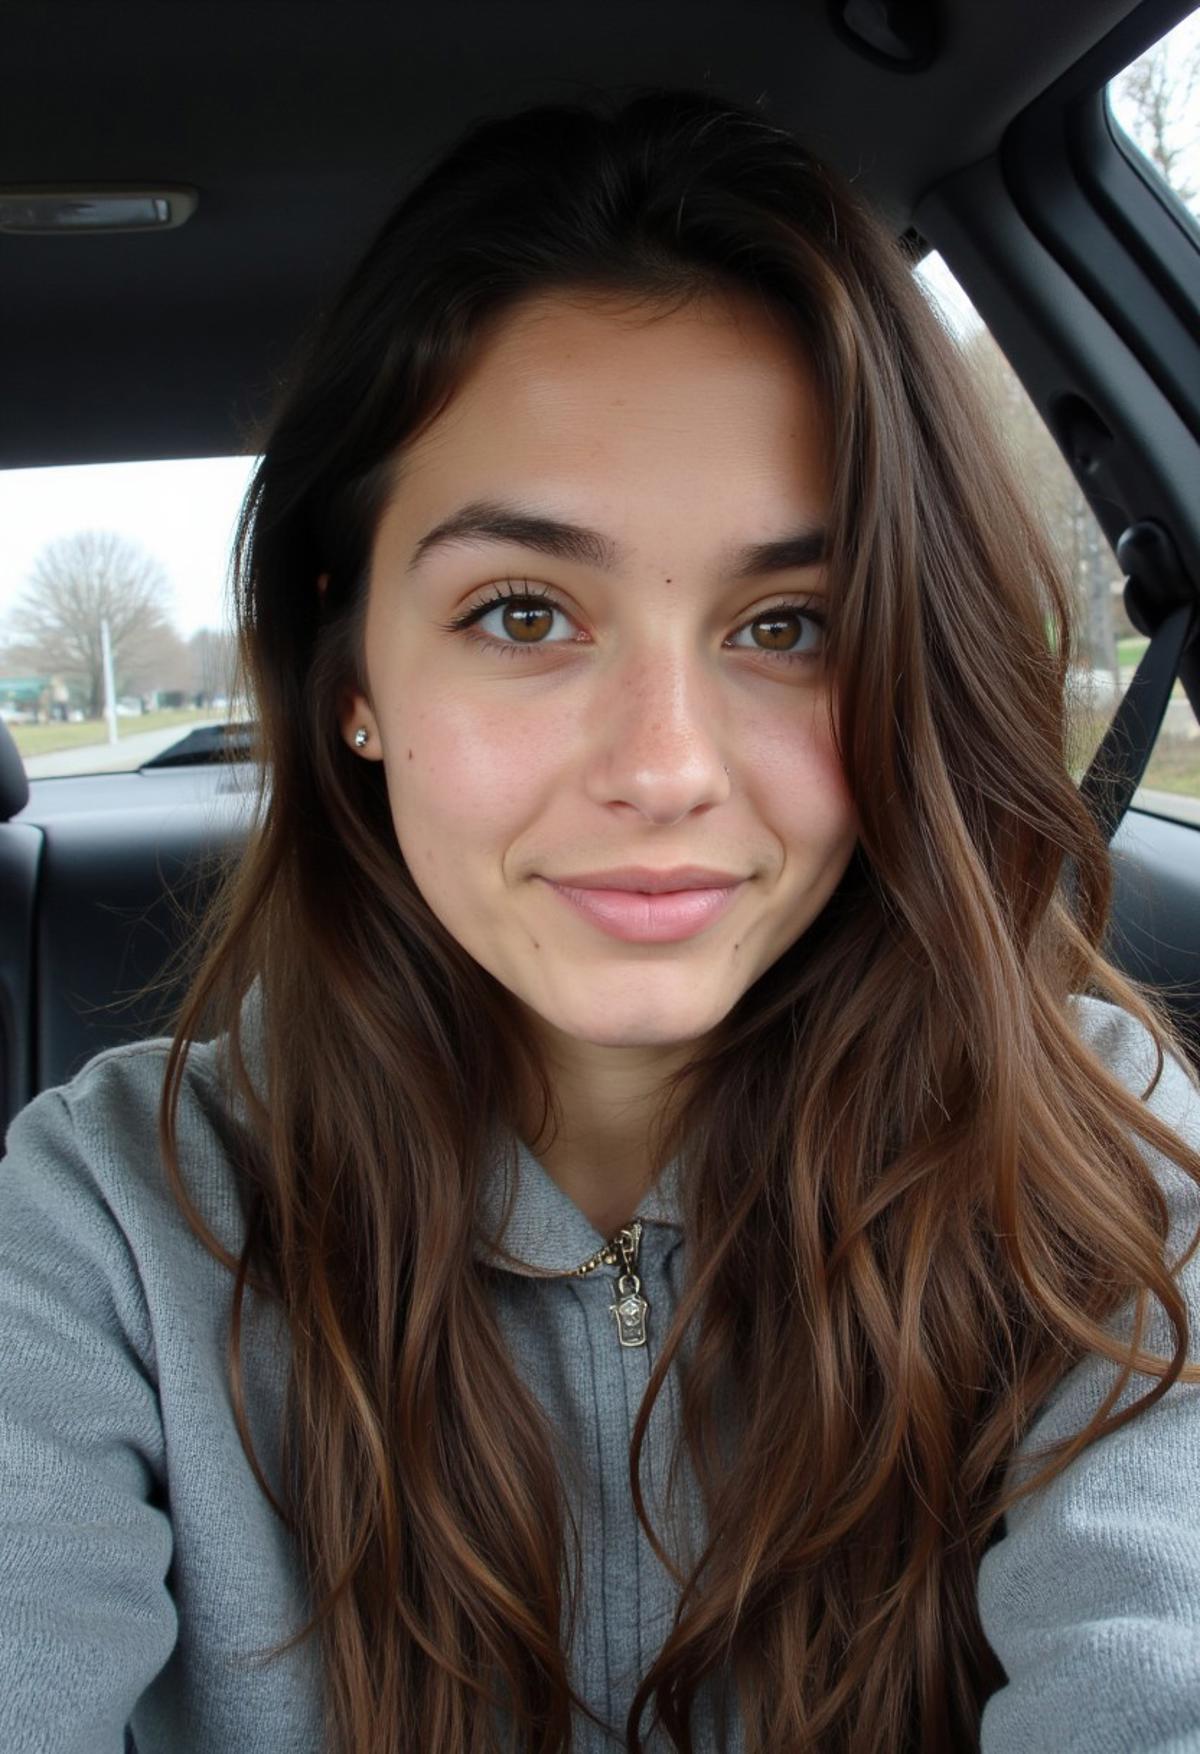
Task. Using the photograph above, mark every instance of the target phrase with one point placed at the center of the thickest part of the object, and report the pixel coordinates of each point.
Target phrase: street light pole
(110, 689)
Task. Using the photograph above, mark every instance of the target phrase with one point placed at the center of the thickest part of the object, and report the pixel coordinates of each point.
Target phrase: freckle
(410, 755)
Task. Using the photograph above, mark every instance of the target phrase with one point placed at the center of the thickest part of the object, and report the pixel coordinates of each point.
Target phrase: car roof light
(44, 212)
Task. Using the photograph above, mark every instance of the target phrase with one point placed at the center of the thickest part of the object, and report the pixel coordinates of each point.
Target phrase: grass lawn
(46, 739)
(1174, 765)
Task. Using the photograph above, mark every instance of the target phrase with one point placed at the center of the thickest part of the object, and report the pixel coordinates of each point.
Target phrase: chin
(619, 1027)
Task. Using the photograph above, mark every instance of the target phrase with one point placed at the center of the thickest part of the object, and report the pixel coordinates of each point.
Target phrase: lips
(644, 880)
(661, 918)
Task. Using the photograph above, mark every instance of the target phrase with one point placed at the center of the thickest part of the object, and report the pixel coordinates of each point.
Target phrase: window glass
(1109, 646)
(138, 549)
(1155, 106)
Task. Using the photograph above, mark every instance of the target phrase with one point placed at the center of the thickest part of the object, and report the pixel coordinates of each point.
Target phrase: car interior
(288, 131)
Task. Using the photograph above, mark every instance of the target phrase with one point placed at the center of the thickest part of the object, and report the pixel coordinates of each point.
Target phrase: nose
(658, 746)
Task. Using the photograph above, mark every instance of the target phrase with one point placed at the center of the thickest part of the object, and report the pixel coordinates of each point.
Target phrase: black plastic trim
(1064, 173)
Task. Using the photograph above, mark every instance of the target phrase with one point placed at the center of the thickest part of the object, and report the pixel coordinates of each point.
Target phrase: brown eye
(526, 621)
(780, 630)
(780, 626)
(525, 617)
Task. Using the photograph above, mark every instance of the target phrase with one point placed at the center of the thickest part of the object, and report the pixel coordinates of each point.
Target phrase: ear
(355, 714)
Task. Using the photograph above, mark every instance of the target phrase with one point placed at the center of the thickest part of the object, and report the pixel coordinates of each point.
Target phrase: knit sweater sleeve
(1091, 1600)
(86, 1618)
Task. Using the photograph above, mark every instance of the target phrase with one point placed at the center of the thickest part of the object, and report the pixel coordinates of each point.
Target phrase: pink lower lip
(650, 919)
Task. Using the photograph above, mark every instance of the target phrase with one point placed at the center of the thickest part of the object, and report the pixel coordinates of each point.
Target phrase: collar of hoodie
(546, 1230)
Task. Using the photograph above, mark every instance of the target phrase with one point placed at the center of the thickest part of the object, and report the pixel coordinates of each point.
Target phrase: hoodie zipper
(631, 1308)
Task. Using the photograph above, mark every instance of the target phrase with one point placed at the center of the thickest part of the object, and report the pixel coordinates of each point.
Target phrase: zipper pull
(630, 1309)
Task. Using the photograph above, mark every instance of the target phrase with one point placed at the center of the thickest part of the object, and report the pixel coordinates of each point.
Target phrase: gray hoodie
(140, 1564)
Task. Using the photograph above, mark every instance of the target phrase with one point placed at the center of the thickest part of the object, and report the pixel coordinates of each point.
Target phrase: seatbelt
(1162, 602)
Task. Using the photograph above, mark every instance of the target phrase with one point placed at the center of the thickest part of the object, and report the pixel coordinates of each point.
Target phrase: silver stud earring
(360, 738)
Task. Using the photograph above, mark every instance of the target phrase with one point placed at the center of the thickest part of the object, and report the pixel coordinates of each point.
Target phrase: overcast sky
(183, 513)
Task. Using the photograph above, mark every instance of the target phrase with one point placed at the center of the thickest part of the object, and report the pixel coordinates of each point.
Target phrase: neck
(608, 1099)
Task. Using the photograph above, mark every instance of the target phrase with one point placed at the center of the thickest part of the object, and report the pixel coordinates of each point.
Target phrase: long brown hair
(901, 1280)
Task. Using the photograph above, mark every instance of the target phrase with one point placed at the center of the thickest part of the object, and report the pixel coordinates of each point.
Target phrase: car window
(1109, 646)
(1154, 106)
(115, 616)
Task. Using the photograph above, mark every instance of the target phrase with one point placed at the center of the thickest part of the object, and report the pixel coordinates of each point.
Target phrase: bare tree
(212, 653)
(161, 661)
(76, 582)
(1153, 102)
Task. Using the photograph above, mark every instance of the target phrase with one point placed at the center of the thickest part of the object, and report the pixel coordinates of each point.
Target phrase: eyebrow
(491, 521)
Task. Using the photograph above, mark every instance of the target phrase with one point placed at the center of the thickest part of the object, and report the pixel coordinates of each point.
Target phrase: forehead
(574, 333)
(581, 380)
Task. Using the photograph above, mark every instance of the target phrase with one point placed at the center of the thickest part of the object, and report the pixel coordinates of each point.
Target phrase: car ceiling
(301, 123)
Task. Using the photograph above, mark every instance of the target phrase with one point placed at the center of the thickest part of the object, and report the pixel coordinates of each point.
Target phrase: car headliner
(300, 122)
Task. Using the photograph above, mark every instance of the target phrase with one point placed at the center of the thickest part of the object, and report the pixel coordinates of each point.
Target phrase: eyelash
(545, 599)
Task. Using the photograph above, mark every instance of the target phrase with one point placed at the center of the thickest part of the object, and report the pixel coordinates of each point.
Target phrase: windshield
(116, 635)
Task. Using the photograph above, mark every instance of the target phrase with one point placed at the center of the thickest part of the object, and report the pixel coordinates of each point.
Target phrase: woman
(758, 1310)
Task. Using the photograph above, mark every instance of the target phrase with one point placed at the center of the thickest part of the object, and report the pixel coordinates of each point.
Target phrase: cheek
(803, 786)
(458, 781)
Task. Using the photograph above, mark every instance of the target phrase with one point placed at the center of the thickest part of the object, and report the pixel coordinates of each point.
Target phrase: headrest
(14, 787)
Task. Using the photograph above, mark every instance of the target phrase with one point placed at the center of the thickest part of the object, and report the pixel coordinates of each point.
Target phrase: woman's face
(640, 714)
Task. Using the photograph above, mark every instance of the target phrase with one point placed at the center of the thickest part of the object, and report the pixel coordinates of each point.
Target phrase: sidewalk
(119, 757)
